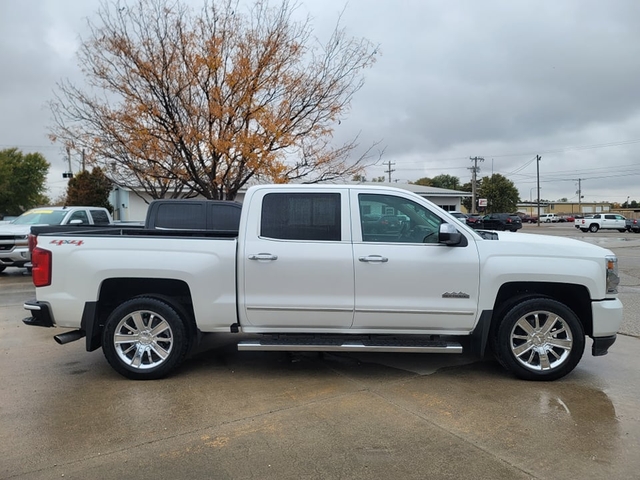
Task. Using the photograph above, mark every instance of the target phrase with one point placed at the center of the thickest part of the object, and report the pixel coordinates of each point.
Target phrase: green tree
(424, 181)
(22, 181)
(500, 192)
(445, 181)
(90, 189)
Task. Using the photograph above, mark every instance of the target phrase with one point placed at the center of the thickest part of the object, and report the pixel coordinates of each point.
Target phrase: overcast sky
(504, 80)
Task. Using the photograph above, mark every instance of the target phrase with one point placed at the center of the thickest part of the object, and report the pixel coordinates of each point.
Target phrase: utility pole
(538, 157)
(580, 196)
(389, 171)
(474, 171)
(69, 173)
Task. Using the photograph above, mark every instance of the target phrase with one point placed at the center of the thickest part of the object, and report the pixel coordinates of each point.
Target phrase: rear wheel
(539, 339)
(593, 228)
(622, 230)
(144, 339)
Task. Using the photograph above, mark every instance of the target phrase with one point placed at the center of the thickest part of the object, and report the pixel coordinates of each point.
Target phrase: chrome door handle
(262, 256)
(374, 259)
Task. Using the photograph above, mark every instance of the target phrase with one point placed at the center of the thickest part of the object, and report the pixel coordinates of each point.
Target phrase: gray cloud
(455, 79)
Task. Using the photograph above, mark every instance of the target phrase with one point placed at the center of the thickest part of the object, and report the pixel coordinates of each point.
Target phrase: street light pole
(538, 157)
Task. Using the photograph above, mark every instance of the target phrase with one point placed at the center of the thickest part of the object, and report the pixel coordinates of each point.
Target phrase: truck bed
(117, 231)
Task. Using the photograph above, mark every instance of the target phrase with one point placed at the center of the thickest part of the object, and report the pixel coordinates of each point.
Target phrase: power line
(546, 152)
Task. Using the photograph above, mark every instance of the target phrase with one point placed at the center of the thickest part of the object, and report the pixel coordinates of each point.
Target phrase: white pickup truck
(14, 246)
(601, 221)
(325, 268)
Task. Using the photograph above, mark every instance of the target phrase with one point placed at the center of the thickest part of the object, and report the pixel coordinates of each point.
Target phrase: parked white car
(548, 218)
(306, 272)
(14, 236)
(605, 221)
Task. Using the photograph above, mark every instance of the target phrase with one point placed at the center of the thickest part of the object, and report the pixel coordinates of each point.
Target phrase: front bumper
(607, 317)
(40, 314)
(17, 257)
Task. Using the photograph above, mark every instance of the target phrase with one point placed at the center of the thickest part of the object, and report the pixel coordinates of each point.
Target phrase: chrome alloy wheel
(143, 339)
(541, 341)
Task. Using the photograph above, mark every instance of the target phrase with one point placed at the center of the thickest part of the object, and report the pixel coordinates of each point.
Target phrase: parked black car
(499, 221)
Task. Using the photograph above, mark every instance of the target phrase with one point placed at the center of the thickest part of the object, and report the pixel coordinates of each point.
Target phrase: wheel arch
(115, 291)
(575, 297)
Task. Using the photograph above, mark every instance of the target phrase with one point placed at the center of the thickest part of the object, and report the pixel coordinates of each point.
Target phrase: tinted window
(79, 215)
(301, 216)
(610, 217)
(100, 217)
(224, 216)
(181, 216)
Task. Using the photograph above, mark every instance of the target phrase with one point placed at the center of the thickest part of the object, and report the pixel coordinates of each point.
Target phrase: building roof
(419, 189)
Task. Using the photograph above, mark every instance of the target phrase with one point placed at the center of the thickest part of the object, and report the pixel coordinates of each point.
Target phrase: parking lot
(238, 415)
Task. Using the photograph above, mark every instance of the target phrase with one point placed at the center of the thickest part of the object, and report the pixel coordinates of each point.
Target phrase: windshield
(40, 217)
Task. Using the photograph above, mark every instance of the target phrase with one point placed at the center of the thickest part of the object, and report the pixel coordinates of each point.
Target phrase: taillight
(33, 242)
(41, 272)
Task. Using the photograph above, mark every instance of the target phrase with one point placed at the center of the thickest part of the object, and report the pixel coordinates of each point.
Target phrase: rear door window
(301, 216)
(99, 217)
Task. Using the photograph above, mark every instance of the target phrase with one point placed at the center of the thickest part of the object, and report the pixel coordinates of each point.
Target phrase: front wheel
(539, 339)
(144, 339)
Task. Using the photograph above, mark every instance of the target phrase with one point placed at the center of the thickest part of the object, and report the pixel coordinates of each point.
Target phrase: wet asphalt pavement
(257, 415)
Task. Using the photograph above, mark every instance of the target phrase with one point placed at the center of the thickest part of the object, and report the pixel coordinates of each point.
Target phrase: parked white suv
(548, 218)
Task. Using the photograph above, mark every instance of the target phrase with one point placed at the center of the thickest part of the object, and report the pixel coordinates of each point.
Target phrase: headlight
(612, 274)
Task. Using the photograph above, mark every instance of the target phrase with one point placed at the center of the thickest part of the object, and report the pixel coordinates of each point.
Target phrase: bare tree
(181, 103)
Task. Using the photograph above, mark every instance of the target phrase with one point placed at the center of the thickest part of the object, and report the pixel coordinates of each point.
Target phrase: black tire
(160, 344)
(593, 228)
(531, 348)
(584, 230)
(622, 230)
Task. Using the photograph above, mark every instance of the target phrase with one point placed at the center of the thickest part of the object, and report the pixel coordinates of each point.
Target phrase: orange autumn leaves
(202, 103)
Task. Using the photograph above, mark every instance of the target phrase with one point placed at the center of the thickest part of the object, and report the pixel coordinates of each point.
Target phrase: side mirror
(449, 235)
(75, 222)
